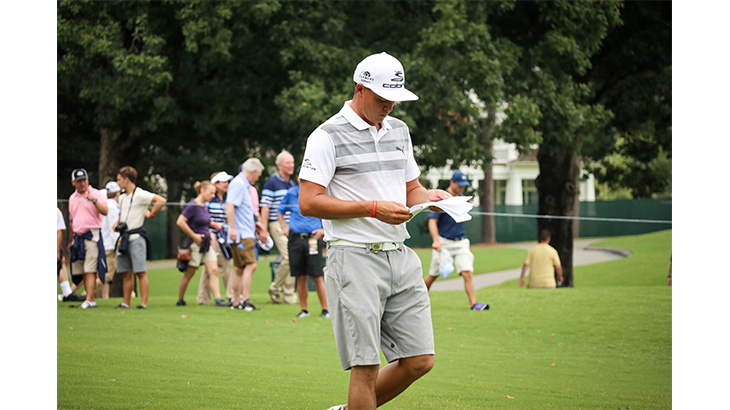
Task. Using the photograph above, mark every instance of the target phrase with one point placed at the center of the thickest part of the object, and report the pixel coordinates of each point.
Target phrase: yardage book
(457, 207)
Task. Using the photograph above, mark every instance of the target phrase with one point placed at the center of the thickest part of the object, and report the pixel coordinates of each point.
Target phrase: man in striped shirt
(274, 190)
(360, 177)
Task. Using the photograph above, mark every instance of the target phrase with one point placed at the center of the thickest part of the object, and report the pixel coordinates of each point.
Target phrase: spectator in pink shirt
(86, 207)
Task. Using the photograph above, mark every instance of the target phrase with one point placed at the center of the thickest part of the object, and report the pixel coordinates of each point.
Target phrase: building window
(529, 191)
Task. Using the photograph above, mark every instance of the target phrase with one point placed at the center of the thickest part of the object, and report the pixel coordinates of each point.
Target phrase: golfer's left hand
(435, 195)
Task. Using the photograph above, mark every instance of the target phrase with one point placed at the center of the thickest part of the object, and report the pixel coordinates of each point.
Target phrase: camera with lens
(122, 227)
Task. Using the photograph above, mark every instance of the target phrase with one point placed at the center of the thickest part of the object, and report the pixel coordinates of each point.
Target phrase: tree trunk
(108, 156)
(489, 231)
(173, 232)
(576, 200)
(556, 187)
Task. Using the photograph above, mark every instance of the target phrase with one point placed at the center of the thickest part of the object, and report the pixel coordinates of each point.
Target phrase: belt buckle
(376, 247)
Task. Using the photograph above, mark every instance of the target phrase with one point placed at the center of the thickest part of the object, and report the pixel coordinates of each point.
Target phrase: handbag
(184, 254)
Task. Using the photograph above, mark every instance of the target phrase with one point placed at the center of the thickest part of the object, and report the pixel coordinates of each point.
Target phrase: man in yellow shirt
(544, 264)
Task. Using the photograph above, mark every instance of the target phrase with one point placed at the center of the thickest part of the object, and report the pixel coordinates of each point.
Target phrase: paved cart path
(582, 255)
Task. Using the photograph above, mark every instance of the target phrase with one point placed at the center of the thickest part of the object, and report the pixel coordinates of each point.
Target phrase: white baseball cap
(383, 74)
(266, 245)
(221, 177)
(112, 187)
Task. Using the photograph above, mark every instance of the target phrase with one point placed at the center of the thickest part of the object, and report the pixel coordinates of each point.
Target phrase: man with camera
(134, 247)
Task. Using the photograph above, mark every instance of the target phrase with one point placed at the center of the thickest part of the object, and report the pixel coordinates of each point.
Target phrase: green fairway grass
(605, 344)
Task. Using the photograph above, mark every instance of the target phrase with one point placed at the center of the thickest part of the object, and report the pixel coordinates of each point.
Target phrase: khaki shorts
(459, 250)
(91, 263)
(111, 264)
(377, 301)
(197, 258)
(244, 252)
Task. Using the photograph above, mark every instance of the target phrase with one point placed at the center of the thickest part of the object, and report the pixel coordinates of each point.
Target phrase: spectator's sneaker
(302, 314)
(480, 306)
(237, 307)
(249, 307)
(122, 306)
(88, 305)
(221, 302)
(340, 407)
(71, 297)
(141, 306)
(275, 298)
(180, 302)
(325, 314)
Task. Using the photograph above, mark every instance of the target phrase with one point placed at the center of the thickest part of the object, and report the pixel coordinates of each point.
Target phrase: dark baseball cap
(460, 178)
(79, 173)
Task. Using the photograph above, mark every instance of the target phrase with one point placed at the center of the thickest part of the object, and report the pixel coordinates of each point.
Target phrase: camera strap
(131, 200)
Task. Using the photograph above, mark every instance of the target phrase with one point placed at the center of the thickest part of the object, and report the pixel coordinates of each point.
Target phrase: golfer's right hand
(436, 246)
(393, 213)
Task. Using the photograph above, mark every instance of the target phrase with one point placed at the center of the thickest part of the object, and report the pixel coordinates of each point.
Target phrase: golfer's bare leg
(361, 394)
(396, 376)
(469, 286)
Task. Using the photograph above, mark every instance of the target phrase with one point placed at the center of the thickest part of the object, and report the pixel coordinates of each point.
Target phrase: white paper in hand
(457, 207)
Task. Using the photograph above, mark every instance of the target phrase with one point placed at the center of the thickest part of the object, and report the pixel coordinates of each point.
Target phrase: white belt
(372, 247)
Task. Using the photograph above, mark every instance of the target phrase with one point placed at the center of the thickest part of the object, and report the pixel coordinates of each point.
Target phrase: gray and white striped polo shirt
(355, 162)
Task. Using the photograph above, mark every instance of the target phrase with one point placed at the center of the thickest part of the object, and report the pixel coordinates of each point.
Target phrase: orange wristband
(375, 207)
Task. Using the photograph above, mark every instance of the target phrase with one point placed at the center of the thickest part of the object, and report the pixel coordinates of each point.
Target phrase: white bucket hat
(383, 74)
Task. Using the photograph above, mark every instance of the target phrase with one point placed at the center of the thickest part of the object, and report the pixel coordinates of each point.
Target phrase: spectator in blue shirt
(449, 237)
(305, 235)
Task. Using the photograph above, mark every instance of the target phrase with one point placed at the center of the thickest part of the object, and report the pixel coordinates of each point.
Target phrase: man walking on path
(360, 177)
(544, 264)
(274, 190)
(449, 238)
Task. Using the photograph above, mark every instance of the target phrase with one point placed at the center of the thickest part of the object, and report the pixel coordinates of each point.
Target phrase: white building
(514, 176)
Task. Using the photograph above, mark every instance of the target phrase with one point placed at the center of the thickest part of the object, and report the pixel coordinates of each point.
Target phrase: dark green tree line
(182, 89)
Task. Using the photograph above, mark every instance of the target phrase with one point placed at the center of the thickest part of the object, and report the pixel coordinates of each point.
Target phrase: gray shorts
(377, 301)
(135, 260)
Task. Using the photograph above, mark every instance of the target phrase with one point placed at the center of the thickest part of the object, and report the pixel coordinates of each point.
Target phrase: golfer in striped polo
(360, 177)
